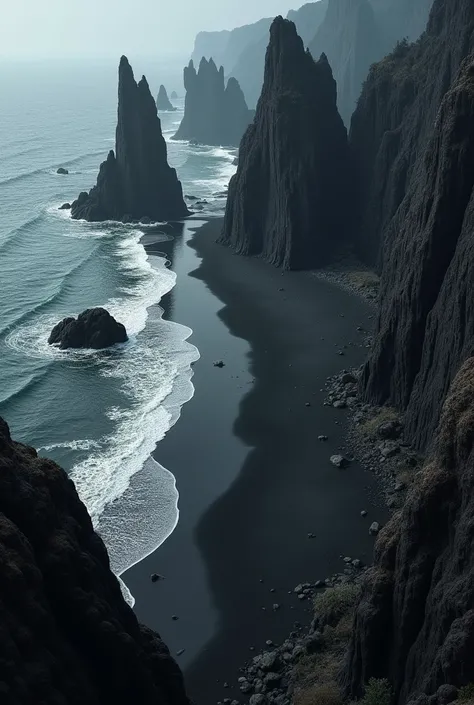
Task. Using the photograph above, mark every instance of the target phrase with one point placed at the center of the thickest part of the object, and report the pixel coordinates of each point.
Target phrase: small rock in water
(156, 576)
(311, 536)
(65, 207)
(363, 513)
(308, 403)
(269, 642)
(347, 559)
(174, 617)
(180, 652)
(276, 606)
(272, 589)
(322, 438)
(219, 363)
(339, 461)
(62, 170)
(374, 528)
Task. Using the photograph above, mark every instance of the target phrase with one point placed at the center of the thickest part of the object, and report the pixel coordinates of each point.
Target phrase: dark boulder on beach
(66, 633)
(62, 170)
(214, 113)
(94, 328)
(136, 180)
(293, 170)
(162, 101)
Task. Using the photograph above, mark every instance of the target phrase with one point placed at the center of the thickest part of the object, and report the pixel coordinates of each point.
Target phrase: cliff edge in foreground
(285, 199)
(66, 634)
(415, 622)
(136, 182)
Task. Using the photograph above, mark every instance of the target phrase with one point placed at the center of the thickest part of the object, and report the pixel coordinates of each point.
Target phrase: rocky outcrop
(163, 102)
(421, 193)
(174, 96)
(136, 181)
(284, 201)
(415, 621)
(214, 113)
(94, 328)
(66, 634)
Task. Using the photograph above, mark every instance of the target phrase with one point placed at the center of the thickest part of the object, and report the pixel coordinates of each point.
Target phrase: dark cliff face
(284, 201)
(356, 33)
(136, 181)
(66, 634)
(352, 40)
(214, 113)
(415, 622)
(162, 101)
(424, 179)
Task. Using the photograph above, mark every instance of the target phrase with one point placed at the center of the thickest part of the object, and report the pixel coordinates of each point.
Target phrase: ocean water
(98, 414)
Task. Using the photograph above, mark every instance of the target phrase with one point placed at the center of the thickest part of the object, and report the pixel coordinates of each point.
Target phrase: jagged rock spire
(214, 113)
(136, 181)
(285, 200)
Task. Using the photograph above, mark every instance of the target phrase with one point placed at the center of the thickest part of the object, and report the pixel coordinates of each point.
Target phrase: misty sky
(109, 28)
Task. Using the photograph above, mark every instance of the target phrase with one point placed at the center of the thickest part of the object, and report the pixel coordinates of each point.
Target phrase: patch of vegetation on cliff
(317, 673)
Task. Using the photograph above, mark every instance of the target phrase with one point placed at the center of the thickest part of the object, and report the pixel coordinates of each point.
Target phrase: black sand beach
(253, 478)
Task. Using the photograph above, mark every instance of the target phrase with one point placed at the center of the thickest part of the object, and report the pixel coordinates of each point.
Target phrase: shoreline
(253, 427)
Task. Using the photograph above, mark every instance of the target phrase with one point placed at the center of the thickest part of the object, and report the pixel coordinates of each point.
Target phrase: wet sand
(253, 478)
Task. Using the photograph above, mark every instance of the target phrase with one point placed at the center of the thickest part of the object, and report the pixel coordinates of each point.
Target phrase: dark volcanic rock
(136, 181)
(214, 113)
(174, 96)
(66, 634)
(94, 328)
(284, 201)
(415, 621)
(62, 171)
(162, 102)
(426, 321)
(65, 207)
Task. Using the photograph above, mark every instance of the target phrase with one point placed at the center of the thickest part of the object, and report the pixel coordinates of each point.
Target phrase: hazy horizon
(101, 29)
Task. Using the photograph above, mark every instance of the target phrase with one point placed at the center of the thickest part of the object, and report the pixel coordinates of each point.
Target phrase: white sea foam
(133, 501)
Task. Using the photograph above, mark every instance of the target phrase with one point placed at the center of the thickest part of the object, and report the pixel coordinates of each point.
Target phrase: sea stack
(214, 113)
(162, 102)
(67, 634)
(136, 181)
(285, 199)
(413, 129)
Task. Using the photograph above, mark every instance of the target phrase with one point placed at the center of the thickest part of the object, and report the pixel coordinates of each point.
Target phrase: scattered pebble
(374, 528)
